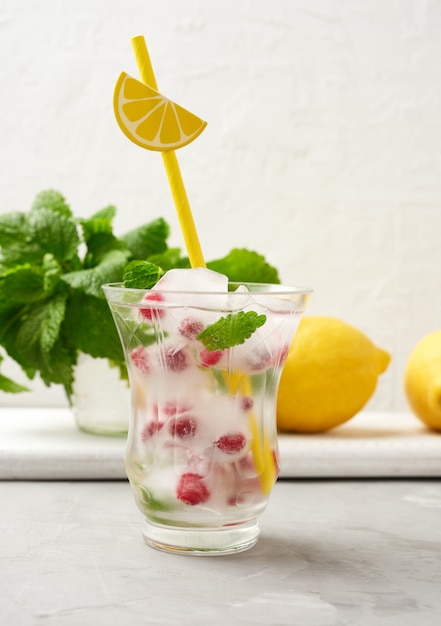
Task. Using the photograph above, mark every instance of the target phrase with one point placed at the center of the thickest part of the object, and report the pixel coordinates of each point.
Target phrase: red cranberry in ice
(151, 429)
(246, 403)
(259, 360)
(172, 408)
(236, 499)
(183, 427)
(282, 355)
(175, 360)
(231, 443)
(190, 327)
(191, 489)
(139, 358)
(152, 312)
(209, 358)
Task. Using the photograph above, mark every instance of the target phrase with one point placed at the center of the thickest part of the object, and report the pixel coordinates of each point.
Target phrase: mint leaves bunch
(52, 268)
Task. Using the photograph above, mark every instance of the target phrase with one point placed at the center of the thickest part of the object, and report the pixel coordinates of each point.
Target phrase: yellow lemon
(151, 120)
(422, 380)
(330, 373)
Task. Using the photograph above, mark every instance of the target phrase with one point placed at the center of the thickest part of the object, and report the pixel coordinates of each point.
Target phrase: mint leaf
(242, 265)
(39, 331)
(12, 228)
(141, 275)
(100, 222)
(8, 385)
(90, 327)
(9, 311)
(90, 281)
(51, 272)
(25, 283)
(17, 246)
(21, 252)
(38, 348)
(108, 213)
(231, 330)
(54, 232)
(151, 503)
(11, 317)
(57, 367)
(148, 239)
(28, 341)
(169, 259)
(51, 323)
(52, 200)
(98, 247)
(98, 236)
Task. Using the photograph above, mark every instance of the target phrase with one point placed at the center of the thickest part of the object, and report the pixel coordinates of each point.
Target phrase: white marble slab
(39, 444)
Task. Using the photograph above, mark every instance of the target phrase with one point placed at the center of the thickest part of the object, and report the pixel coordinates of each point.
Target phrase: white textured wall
(323, 149)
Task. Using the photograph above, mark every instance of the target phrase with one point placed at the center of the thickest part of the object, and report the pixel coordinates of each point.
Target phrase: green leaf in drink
(232, 330)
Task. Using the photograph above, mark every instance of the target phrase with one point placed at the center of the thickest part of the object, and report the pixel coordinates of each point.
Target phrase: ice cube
(179, 302)
(195, 279)
(239, 299)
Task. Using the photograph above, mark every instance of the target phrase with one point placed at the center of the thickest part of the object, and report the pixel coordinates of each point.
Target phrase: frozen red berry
(190, 327)
(139, 358)
(231, 443)
(209, 358)
(192, 489)
(259, 360)
(153, 311)
(183, 427)
(246, 403)
(173, 408)
(234, 500)
(281, 356)
(151, 429)
(175, 360)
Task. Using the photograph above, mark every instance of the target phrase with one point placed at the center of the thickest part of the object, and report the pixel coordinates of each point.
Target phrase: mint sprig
(142, 275)
(231, 330)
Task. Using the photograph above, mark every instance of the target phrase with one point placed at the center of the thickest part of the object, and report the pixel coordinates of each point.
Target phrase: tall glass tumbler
(204, 368)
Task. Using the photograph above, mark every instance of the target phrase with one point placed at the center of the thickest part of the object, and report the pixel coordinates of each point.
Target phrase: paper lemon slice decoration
(151, 120)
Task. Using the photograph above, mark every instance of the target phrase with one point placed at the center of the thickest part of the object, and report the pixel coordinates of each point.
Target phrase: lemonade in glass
(204, 359)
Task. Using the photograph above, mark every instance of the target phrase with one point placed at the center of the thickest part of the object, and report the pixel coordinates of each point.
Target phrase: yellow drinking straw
(171, 165)
(260, 449)
(236, 381)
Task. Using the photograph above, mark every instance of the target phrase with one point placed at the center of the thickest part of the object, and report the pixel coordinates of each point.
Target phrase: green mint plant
(52, 268)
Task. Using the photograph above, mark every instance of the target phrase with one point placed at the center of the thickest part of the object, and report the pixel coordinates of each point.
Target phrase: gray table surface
(331, 553)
